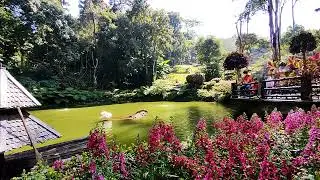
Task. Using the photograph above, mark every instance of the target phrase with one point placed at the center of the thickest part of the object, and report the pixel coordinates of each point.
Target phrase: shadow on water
(194, 114)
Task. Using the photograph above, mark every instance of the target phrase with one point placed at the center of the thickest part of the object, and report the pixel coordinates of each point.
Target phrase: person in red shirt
(247, 78)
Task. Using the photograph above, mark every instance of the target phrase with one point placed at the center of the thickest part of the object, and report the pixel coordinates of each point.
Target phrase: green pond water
(75, 123)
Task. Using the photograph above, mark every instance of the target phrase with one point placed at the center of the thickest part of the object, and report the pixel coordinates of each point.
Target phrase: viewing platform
(289, 89)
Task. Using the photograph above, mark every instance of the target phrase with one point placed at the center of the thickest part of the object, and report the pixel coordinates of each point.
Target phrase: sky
(218, 17)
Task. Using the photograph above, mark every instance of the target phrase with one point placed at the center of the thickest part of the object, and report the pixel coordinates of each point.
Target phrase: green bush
(69, 96)
(195, 80)
(214, 91)
(211, 71)
(208, 85)
(160, 88)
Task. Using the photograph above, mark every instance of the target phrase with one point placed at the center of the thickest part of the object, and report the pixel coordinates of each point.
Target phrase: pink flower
(313, 142)
(268, 171)
(92, 167)
(97, 143)
(202, 125)
(162, 137)
(122, 166)
(58, 165)
(100, 177)
(274, 119)
(287, 170)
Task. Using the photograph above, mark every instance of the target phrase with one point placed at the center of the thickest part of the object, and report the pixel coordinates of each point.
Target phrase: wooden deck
(15, 163)
(292, 89)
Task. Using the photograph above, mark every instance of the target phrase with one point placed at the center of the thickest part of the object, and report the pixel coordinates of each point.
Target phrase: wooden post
(2, 165)
(262, 91)
(38, 155)
(306, 87)
(234, 92)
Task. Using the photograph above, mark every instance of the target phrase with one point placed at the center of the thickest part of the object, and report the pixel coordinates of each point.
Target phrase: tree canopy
(122, 44)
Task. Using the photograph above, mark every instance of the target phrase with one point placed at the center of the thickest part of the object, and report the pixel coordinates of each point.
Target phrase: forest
(119, 45)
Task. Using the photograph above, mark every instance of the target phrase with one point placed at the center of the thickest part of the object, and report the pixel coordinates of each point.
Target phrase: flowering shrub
(241, 148)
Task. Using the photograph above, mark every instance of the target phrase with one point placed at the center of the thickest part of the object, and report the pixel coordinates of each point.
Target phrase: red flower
(268, 171)
(92, 167)
(58, 165)
(97, 143)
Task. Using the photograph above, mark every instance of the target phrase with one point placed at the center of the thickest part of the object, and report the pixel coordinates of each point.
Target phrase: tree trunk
(95, 60)
(248, 20)
(239, 32)
(304, 61)
(276, 33)
(271, 27)
(147, 73)
(279, 29)
(306, 80)
(154, 66)
(293, 2)
(238, 75)
(2, 166)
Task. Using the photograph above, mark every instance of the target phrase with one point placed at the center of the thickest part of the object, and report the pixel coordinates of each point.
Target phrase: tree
(274, 8)
(90, 13)
(235, 61)
(293, 4)
(209, 53)
(303, 43)
(290, 33)
(247, 42)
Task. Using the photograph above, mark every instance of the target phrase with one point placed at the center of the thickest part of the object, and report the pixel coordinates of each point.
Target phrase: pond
(75, 123)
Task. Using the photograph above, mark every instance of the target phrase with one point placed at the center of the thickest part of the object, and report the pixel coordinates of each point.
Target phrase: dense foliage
(303, 43)
(279, 148)
(160, 90)
(209, 53)
(123, 44)
(195, 80)
(235, 60)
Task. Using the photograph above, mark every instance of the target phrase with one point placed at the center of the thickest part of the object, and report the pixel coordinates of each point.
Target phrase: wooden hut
(17, 127)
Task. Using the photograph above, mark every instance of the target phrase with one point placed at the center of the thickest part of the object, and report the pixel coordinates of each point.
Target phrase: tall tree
(90, 13)
(209, 54)
(290, 33)
(274, 8)
(293, 4)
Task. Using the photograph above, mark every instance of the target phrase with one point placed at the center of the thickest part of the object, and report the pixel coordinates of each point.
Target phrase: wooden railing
(289, 88)
(16, 163)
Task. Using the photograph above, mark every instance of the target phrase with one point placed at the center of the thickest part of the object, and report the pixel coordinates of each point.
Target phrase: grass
(182, 71)
(77, 122)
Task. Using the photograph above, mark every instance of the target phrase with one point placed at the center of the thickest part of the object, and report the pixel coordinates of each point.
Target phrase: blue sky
(218, 17)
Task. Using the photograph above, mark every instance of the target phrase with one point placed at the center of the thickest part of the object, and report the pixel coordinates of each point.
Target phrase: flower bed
(276, 148)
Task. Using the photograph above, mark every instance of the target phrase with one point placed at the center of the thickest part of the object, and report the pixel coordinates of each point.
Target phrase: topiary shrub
(235, 61)
(195, 80)
(303, 43)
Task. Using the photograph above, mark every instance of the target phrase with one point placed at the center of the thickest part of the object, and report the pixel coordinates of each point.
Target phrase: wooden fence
(16, 163)
(298, 88)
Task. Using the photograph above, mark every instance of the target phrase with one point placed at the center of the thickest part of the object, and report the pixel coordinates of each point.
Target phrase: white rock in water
(105, 115)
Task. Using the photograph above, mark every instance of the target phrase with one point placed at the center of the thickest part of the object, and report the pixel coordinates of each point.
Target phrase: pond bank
(75, 123)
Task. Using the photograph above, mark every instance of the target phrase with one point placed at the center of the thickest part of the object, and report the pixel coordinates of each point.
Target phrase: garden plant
(276, 147)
